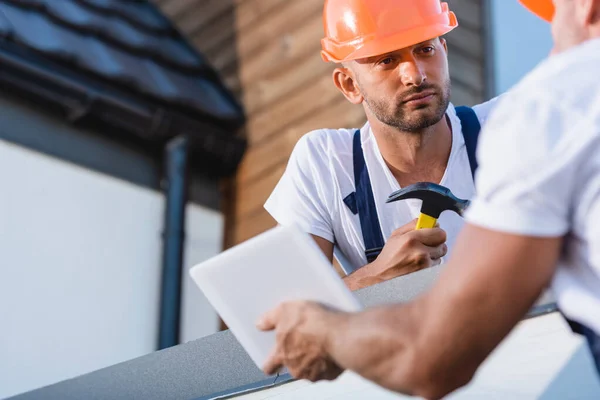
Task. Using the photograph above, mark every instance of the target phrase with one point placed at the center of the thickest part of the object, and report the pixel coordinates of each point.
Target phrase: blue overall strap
(365, 203)
(592, 338)
(470, 129)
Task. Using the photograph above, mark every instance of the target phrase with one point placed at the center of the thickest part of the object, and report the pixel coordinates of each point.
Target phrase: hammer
(436, 199)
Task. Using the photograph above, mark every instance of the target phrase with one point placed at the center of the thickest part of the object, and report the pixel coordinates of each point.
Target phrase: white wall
(204, 234)
(80, 270)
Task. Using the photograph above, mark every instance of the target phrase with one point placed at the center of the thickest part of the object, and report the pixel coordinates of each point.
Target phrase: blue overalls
(362, 202)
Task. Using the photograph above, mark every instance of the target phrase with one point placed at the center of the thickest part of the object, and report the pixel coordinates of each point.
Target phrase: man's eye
(386, 61)
(427, 49)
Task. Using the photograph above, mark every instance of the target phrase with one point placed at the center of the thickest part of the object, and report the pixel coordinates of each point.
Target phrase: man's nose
(411, 73)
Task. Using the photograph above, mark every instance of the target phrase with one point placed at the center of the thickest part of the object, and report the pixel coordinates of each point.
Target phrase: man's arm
(435, 345)
(533, 162)
(326, 247)
(355, 281)
(406, 251)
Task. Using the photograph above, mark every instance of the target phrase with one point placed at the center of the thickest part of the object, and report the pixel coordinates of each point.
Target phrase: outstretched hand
(301, 340)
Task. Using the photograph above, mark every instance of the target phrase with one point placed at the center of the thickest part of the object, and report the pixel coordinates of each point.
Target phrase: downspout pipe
(175, 187)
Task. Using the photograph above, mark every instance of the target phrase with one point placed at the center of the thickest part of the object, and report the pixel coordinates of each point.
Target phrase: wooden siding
(268, 53)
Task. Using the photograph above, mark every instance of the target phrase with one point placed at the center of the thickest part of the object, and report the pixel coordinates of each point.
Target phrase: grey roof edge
(254, 387)
(215, 367)
(80, 97)
(384, 293)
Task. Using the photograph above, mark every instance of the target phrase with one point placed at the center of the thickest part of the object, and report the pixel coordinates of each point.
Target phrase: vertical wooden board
(174, 8)
(233, 84)
(226, 61)
(201, 13)
(270, 88)
(250, 226)
(292, 108)
(259, 159)
(216, 36)
(269, 153)
(251, 195)
(252, 44)
(227, 205)
(279, 22)
(250, 12)
(283, 52)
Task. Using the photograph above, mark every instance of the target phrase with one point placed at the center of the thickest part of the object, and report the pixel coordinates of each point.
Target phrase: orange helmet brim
(400, 41)
(364, 28)
(542, 8)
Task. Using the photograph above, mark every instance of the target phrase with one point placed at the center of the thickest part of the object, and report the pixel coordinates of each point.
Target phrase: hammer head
(436, 198)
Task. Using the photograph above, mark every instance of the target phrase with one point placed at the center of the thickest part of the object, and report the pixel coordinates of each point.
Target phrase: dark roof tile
(165, 47)
(104, 38)
(5, 25)
(135, 11)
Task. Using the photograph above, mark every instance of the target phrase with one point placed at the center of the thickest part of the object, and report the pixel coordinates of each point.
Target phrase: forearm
(380, 344)
(483, 292)
(434, 345)
(362, 278)
(352, 282)
(418, 349)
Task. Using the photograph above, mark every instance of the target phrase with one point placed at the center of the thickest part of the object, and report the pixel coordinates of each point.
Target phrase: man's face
(569, 26)
(408, 89)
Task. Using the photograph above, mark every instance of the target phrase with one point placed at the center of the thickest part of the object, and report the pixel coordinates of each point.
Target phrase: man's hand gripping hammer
(436, 199)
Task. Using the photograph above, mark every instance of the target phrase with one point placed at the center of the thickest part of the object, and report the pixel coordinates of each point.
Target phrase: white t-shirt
(539, 171)
(320, 174)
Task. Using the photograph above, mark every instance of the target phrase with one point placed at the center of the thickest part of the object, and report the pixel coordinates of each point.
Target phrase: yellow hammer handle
(426, 222)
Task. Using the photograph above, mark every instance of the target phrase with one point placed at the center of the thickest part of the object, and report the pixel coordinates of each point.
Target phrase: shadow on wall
(210, 27)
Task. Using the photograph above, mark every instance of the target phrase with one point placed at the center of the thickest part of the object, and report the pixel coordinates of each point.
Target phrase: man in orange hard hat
(534, 221)
(394, 63)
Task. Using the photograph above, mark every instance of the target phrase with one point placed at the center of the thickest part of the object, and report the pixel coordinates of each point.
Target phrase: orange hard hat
(542, 8)
(365, 28)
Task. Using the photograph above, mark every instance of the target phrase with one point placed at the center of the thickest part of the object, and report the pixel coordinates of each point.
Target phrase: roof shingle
(127, 42)
(123, 63)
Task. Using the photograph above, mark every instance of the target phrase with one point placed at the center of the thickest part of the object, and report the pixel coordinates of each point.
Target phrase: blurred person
(394, 62)
(535, 221)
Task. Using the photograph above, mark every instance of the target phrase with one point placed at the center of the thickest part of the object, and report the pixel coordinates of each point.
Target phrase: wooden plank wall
(267, 51)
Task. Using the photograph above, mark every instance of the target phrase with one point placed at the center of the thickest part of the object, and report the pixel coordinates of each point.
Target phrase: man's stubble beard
(417, 123)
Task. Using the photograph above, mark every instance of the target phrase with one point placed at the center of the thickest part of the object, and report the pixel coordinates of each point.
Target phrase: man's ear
(344, 80)
(587, 11)
(595, 12)
(444, 43)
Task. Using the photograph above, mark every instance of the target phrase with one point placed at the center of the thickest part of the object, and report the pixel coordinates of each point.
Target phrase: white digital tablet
(282, 264)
